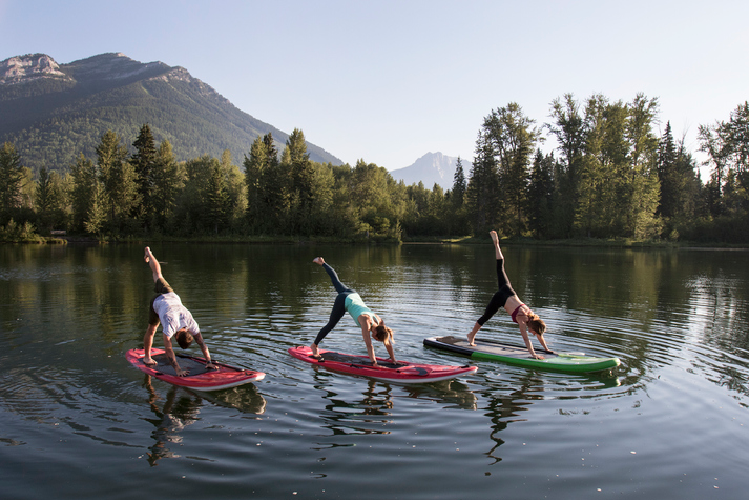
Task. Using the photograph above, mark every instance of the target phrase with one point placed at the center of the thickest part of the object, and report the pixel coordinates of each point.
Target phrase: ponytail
(383, 334)
(536, 324)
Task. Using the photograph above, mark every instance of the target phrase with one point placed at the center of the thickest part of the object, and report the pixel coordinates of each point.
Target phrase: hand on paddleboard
(181, 373)
(211, 366)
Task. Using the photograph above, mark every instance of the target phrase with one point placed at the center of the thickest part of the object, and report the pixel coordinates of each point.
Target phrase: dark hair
(184, 338)
(383, 334)
(536, 324)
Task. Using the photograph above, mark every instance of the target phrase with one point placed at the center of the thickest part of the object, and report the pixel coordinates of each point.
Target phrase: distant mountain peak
(431, 169)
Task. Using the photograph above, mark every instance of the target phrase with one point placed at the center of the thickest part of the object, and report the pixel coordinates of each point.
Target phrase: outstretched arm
(153, 263)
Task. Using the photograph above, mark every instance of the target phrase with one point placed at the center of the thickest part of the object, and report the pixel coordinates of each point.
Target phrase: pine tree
(85, 180)
(11, 179)
(297, 161)
(482, 190)
(216, 200)
(666, 166)
(459, 185)
(96, 215)
(540, 194)
(144, 162)
(168, 184)
(255, 166)
(49, 199)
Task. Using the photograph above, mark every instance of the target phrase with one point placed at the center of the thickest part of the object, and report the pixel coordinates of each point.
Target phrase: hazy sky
(389, 81)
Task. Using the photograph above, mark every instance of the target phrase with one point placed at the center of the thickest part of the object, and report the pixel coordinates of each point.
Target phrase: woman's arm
(529, 346)
(364, 322)
(544, 344)
(391, 353)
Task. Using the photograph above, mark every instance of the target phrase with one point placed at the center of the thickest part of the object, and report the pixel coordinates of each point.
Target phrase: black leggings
(505, 291)
(339, 305)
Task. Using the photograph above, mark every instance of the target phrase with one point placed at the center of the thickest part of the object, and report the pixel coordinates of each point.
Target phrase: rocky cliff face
(29, 67)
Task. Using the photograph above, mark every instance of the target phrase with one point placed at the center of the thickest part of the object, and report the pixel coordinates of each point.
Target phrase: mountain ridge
(54, 112)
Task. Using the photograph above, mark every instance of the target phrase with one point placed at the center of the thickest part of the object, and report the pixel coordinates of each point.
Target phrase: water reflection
(182, 407)
(365, 413)
(447, 393)
(171, 419)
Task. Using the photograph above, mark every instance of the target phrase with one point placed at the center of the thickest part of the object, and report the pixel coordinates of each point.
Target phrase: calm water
(76, 421)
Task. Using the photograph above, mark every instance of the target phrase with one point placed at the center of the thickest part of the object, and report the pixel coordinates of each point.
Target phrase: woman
(349, 301)
(519, 312)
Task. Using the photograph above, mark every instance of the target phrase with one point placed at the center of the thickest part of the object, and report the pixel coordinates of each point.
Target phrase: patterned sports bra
(515, 313)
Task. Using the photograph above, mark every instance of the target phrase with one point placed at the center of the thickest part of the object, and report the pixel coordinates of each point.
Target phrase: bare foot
(471, 338)
(314, 350)
(319, 261)
(150, 362)
(493, 235)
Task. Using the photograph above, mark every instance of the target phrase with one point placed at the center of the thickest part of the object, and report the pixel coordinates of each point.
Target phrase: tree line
(610, 176)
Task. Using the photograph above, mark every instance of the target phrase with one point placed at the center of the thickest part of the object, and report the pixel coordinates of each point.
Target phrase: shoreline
(290, 240)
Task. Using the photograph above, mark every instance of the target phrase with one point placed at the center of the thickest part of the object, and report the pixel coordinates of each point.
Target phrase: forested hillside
(53, 117)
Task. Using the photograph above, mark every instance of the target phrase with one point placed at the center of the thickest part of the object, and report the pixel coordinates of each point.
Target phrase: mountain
(53, 112)
(431, 169)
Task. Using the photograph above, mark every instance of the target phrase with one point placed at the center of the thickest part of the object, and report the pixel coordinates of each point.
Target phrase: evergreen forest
(612, 175)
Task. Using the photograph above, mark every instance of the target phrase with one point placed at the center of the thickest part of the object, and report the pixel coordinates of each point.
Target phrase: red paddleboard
(403, 372)
(199, 377)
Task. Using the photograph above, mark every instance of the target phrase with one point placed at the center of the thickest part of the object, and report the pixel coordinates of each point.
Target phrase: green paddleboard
(519, 355)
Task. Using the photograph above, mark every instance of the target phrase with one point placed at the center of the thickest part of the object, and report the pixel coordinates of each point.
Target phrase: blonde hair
(536, 324)
(383, 334)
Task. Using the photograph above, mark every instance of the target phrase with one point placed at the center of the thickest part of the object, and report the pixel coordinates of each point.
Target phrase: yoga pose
(349, 301)
(519, 312)
(167, 309)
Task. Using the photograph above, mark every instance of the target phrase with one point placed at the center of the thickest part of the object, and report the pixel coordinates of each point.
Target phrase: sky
(390, 81)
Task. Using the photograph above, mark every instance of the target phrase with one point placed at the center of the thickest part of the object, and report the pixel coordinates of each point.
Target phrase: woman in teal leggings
(349, 301)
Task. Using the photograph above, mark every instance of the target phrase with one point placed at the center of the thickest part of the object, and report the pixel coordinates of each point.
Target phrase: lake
(77, 421)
